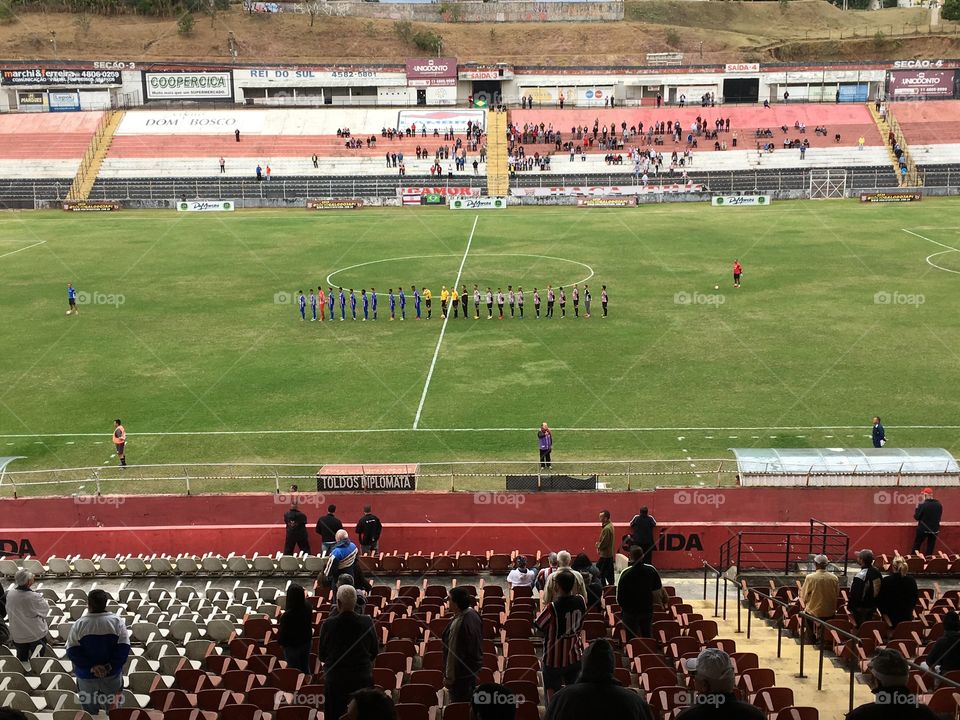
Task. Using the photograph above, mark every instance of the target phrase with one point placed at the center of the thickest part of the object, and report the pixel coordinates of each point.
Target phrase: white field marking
(443, 328)
(14, 252)
(330, 282)
(949, 248)
(376, 431)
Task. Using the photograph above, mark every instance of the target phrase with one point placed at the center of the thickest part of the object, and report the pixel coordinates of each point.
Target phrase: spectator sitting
(713, 685)
(837, 138)
(521, 575)
(819, 594)
(887, 678)
(343, 557)
(370, 704)
(596, 693)
(944, 657)
(563, 565)
(898, 593)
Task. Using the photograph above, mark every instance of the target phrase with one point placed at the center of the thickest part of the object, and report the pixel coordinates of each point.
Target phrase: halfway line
(948, 247)
(443, 329)
(14, 252)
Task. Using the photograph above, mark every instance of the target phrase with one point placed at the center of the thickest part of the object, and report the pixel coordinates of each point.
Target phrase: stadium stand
(932, 132)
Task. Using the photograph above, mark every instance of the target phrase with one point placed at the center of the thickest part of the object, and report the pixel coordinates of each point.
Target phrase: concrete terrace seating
(45, 145)
(928, 123)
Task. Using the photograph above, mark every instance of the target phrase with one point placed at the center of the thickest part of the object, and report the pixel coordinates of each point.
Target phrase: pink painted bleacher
(46, 136)
(929, 123)
(851, 121)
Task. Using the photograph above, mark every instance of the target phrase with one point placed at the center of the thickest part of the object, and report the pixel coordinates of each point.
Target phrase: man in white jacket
(563, 565)
(27, 612)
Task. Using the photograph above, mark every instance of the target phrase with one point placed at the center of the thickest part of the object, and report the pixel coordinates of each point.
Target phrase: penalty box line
(443, 329)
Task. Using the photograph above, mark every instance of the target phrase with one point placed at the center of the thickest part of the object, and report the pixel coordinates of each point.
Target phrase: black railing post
(779, 634)
(725, 599)
(704, 582)
(852, 671)
(820, 668)
(749, 613)
(786, 559)
(739, 549)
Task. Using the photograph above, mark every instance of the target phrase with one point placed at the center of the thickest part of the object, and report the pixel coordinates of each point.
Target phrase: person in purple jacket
(546, 445)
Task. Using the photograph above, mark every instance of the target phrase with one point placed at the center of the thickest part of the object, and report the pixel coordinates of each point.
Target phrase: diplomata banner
(205, 206)
(595, 202)
(367, 478)
(740, 200)
(478, 203)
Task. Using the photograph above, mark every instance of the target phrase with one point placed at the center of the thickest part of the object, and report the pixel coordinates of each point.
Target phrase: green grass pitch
(841, 316)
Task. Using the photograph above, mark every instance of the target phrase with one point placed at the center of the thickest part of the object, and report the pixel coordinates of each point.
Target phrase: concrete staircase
(498, 178)
(886, 125)
(94, 157)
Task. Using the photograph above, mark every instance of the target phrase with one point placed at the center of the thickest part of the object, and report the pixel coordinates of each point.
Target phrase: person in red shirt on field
(120, 441)
(322, 300)
(737, 272)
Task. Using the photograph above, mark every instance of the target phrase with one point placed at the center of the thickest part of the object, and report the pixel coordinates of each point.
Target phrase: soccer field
(187, 331)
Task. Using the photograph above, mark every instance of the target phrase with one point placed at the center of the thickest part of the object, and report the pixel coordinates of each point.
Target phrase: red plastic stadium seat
(798, 713)
(433, 678)
(134, 714)
(773, 699)
(418, 694)
(240, 712)
(457, 711)
(386, 678)
(406, 711)
(172, 699)
(287, 679)
(295, 712)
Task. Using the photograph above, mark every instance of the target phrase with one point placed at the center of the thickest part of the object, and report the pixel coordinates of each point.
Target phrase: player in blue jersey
(331, 299)
(403, 305)
(416, 301)
(313, 305)
(353, 304)
(366, 304)
(373, 301)
(303, 305)
(343, 306)
(72, 299)
(393, 305)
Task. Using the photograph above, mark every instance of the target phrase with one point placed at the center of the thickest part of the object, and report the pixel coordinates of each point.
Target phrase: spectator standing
(295, 633)
(369, 529)
(370, 704)
(564, 564)
(348, 647)
(878, 434)
(545, 438)
(327, 527)
(898, 593)
(552, 563)
(223, 165)
(928, 515)
(560, 622)
(98, 646)
(642, 525)
(713, 686)
(296, 524)
(944, 656)
(887, 677)
(521, 575)
(597, 693)
(316, 161)
(819, 594)
(462, 647)
(862, 599)
(259, 171)
(635, 592)
(606, 548)
(27, 612)
(343, 558)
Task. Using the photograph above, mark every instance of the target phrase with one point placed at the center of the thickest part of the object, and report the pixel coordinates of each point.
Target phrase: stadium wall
(693, 522)
(502, 11)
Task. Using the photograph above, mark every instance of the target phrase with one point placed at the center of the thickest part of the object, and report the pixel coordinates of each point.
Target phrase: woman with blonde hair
(898, 593)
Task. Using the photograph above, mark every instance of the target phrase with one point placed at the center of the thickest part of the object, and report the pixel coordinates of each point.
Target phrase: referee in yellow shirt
(455, 298)
(444, 297)
(428, 299)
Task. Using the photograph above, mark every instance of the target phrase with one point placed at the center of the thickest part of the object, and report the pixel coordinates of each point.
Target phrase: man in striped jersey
(511, 299)
(603, 299)
(536, 302)
(500, 302)
(575, 296)
(476, 303)
(560, 623)
(489, 300)
(550, 299)
(520, 301)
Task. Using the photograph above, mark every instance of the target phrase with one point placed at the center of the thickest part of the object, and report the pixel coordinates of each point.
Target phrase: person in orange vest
(120, 440)
(322, 300)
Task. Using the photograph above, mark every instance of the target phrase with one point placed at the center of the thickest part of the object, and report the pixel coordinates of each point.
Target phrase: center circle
(947, 260)
(495, 270)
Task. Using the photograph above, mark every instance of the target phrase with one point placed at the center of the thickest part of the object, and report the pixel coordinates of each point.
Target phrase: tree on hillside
(951, 10)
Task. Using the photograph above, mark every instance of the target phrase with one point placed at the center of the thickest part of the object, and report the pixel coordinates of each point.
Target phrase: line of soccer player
(450, 301)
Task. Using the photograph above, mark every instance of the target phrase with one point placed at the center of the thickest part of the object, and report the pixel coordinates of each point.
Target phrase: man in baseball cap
(713, 684)
(927, 515)
(887, 678)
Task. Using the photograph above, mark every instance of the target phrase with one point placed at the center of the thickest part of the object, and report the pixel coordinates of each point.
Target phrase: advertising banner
(443, 190)
(423, 72)
(739, 200)
(604, 190)
(60, 101)
(920, 83)
(188, 85)
(891, 197)
(91, 205)
(59, 76)
(595, 202)
(441, 120)
(366, 478)
(29, 98)
(335, 204)
(478, 203)
(741, 68)
(205, 206)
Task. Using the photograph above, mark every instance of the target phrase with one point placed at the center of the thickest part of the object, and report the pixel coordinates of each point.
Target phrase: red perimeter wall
(694, 523)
